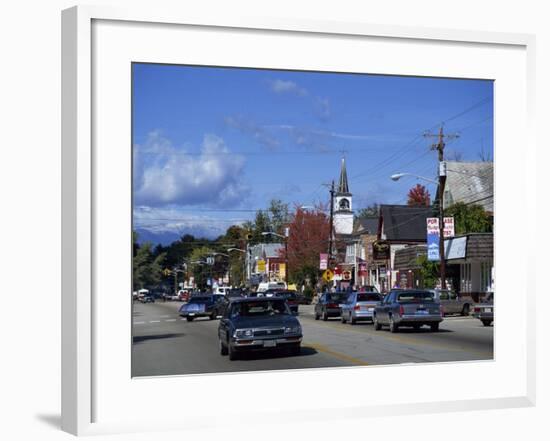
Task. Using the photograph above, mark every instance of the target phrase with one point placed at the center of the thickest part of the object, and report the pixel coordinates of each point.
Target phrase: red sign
(337, 270)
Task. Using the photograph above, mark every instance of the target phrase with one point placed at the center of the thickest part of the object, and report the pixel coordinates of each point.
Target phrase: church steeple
(343, 187)
(343, 210)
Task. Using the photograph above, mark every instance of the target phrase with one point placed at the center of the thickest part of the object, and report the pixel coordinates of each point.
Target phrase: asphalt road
(166, 344)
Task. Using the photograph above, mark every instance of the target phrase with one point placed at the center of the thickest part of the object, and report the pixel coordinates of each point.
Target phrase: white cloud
(256, 131)
(322, 108)
(164, 174)
(282, 86)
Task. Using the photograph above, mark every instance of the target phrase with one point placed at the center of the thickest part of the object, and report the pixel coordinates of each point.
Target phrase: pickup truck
(451, 303)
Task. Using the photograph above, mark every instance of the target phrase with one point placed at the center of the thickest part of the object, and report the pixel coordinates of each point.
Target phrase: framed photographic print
(252, 205)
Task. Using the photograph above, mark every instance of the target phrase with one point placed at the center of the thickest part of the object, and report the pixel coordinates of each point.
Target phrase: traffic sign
(347, 275)
(328, 275)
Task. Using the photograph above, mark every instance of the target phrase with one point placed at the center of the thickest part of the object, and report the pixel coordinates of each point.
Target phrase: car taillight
(401, 310)
(357, 307)
(332, 305)
(476, 309)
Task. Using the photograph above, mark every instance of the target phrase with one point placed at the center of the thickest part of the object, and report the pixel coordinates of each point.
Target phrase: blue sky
(212, 145)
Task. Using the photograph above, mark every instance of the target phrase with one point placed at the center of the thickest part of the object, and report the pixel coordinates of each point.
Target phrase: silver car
(360, 306)
(451, 303)
(408, 308)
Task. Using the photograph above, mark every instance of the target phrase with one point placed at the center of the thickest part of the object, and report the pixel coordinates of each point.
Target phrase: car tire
(316, 316)
(393, 327)
(434, 327)
(232, 353)
(295, 350)
(352, 321)
(465, 310)
(189, 319)
(212, 316)
(343, 319)
(486, 322)
(376, 324)
(325, 316)
(223, 349)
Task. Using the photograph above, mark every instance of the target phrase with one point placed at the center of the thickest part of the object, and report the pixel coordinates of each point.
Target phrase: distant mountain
(166, 237)
(163, 238)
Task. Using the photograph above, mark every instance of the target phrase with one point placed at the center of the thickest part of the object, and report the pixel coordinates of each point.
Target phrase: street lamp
(285, 238)
(398, 176)
(441, 184)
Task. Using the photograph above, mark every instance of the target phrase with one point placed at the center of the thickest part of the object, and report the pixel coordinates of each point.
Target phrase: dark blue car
(257, 323)
(210, 306)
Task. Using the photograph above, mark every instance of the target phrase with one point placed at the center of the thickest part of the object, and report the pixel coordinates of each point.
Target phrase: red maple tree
(418, 196)
(308, 237)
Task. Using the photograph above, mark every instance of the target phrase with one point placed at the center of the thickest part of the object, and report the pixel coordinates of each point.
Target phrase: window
(466, 277)
(485, 276)
(344, 204)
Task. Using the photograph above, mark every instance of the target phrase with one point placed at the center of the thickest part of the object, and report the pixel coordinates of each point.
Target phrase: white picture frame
(84, 370)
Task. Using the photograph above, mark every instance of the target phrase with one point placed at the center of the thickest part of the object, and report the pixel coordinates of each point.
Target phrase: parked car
(413, 308)
(360, 306)
(264, 286)
(202, 306)
(250, 324)
(485, 311)
(290, 297)
(329, 305)
(147, 298)
(451, 303)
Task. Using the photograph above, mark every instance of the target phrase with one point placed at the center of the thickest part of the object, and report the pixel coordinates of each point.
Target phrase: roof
(267, 250)
(406, 258)
(404, 223)
(343, 187)
(469, 182)
(365, 225)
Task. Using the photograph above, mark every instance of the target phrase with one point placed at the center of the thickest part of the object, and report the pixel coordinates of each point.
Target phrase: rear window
(200, 299)
(415, 296)
(337, 297)
(368, 297)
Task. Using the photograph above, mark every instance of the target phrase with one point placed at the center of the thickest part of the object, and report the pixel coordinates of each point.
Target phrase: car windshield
(415, 296)
(200, 299)
(263, 308)
(368, 297)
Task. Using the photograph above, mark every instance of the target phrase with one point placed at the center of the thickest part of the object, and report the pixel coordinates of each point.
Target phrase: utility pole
(440, 147)
(331, 224)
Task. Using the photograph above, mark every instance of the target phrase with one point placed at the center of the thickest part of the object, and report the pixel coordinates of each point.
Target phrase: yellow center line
(322, 348)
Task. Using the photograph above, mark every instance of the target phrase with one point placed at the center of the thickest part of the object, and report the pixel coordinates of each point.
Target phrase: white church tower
(343, 214)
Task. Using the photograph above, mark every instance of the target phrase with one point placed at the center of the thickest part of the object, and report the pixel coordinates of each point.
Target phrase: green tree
(279, 216)
(147, 268)
(429, 271)
(198, 267)
(470, 218)
(371, 210)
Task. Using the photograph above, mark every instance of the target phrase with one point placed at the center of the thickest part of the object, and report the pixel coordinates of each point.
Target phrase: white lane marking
(154, 321)
(139, 323)
(170, 320)
(164, 316)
